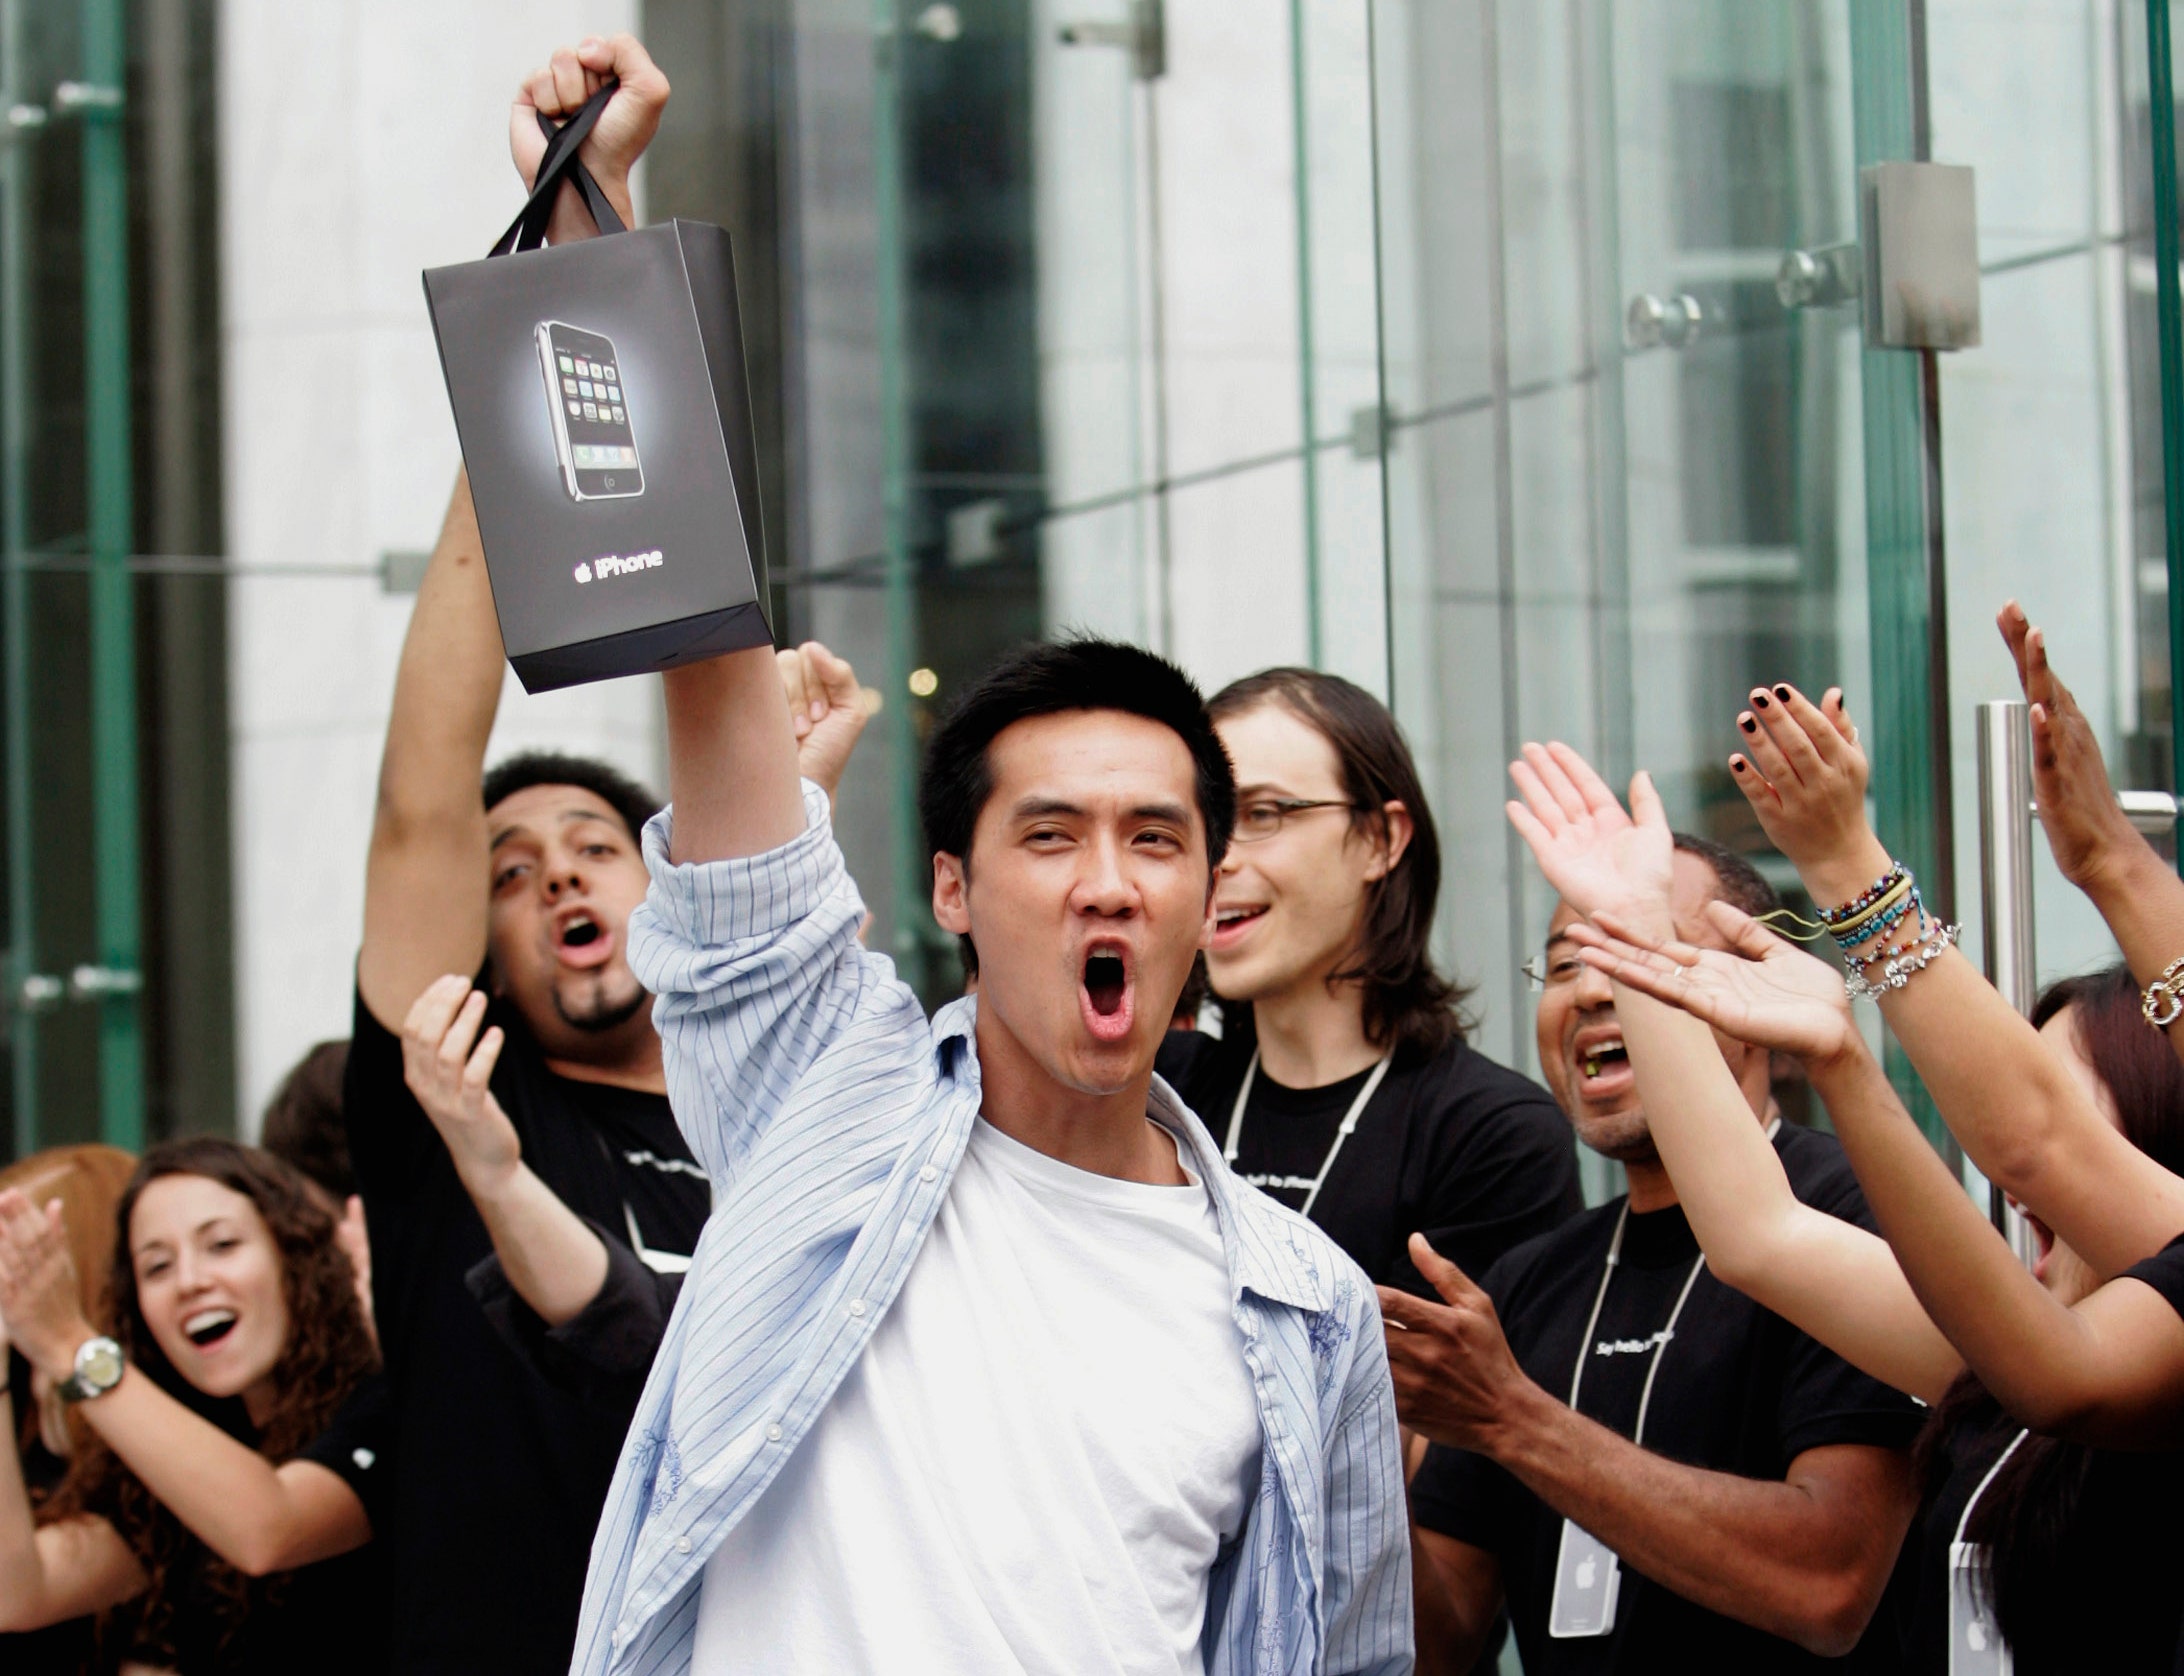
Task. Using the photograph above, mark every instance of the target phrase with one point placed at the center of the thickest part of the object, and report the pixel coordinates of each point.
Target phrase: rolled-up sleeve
(757, 968)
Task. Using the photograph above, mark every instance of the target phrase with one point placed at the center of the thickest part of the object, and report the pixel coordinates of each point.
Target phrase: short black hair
(1079, 673)
(554, 768)
(1742, 885)
(303, 1125)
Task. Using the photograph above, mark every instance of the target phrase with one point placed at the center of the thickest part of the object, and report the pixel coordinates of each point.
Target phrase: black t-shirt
(501, 1470)
(1451, 1145)
(329, 1618)
(2113, 1581)
(1737, 1390)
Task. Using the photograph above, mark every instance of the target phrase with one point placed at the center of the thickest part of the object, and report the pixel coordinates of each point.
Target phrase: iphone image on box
(593, 438)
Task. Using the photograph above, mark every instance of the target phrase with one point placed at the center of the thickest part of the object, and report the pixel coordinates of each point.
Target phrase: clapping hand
(1598, 858)
(1804, 773)
(2086, 828)
(828, 709)
(1762, 990)
(39, 1299)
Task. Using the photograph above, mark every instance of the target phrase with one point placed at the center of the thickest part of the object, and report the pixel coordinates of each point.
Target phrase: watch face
(99, 1363)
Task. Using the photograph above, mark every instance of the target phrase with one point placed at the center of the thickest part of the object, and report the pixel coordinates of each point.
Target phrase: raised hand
(827, 707)
(39, 1298)
(1764, 990)
(2086, 828)
(1598, 858)
(453, 1082)
(617, 140)
(1804, 773)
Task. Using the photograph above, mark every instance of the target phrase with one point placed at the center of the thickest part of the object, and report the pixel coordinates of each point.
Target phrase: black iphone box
(605, 418)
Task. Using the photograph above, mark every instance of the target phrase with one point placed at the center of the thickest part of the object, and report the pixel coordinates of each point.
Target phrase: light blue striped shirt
(830, 1116)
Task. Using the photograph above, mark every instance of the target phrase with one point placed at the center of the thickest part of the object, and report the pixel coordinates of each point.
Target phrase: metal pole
(912, 869)
(2169, 316)
(1307, 355)
(2005, 893)
(15, 639)
(115, 983)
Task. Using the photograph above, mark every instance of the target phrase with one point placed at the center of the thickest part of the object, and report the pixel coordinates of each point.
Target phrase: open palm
(1760, 989)
(1598, 858)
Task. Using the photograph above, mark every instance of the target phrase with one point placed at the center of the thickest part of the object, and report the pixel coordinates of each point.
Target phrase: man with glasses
(1650, 1470)
(1342, 1083)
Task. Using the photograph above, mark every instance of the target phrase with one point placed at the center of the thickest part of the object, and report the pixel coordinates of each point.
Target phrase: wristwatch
(99, 1365)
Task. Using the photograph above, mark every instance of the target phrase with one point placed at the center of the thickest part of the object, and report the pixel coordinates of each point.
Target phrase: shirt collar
(1268, 1252)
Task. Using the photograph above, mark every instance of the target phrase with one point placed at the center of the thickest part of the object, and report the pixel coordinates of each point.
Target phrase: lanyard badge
(1588, 1575)
(1976, 1647)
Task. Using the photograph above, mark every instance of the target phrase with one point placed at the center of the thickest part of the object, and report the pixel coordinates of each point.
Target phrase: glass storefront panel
(1625, 480)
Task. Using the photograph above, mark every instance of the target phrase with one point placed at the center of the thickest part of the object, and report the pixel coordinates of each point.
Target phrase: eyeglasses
(1261, 820)
(1552, 969)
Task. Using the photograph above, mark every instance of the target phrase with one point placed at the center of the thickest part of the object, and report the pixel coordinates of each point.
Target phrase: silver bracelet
(1898, 971)
(2163, 1002)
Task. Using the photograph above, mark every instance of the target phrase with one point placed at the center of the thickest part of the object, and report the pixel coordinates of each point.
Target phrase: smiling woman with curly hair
(212, 1520)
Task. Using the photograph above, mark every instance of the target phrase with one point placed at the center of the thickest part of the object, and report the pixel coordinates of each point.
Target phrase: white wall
(360, 144)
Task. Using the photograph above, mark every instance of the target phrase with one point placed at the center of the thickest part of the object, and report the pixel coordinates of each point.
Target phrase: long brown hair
(328, 1351)
(2027, 1520)
(1408, 1003)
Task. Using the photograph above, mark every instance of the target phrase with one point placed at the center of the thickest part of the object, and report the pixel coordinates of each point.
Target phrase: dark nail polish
(1736, 765)
(1783, 693)
(1746, 723)
(1760, 699)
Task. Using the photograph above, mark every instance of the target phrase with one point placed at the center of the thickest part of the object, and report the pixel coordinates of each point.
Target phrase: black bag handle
(557, 168)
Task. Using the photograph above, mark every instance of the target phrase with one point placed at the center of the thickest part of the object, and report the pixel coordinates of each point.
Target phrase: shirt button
(928, 1174)
(682, 1545)
(856, 1306)
(773, 1434)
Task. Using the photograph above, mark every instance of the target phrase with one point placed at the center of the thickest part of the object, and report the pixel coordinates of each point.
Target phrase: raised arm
(2094, 844)
(258, 1517)
(2017, 1109)
(424, 887)
(2109, 1371)
(424, 882)
(1830, 1278)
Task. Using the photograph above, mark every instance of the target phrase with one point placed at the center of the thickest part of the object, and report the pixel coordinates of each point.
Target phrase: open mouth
(1602, 1058)
(1106, 990)
(582, 940)
(1230, 923)
(208, 1327)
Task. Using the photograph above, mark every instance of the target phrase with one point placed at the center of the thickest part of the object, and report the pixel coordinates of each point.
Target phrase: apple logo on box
(583, 572)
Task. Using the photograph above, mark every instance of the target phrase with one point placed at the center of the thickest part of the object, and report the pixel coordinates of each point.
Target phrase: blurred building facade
(1435, 342)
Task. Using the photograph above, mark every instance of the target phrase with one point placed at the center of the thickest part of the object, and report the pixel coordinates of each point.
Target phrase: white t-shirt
(1033, 1464)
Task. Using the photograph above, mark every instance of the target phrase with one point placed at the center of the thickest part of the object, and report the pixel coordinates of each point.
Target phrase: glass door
(1640, 458)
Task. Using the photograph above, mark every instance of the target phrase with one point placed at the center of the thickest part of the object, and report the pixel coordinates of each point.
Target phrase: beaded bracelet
(2163, 1002)
(1882, 921)
(1883, 952)
(1899, 971)
(1834, 918)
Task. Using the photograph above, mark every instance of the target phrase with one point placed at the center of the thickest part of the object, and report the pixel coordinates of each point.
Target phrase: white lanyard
(2001, 1461)
(1584, 1347)
(1349, 1121)
(1976, 1646)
